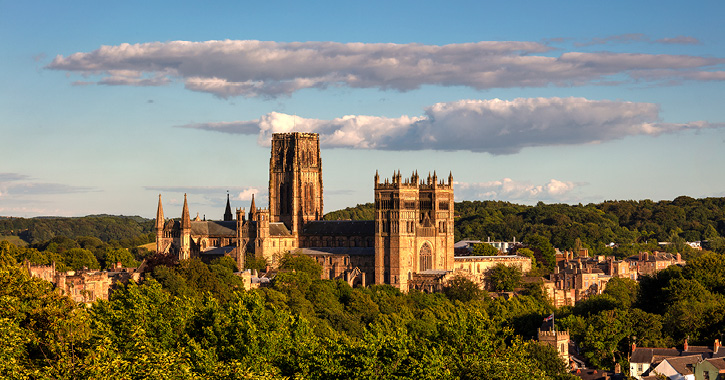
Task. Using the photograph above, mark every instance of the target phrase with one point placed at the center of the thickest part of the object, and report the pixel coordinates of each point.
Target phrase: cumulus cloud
(246, 194)
(494, 126)
(511, 190)
(265, 68)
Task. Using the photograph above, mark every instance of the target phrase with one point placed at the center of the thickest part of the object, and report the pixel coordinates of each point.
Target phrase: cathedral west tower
(295, 180)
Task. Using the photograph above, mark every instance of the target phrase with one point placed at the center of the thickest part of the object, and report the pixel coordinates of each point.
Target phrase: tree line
(632, 225)
(104, 227)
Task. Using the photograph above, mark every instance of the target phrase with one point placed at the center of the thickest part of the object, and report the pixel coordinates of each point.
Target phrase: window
(426, 257)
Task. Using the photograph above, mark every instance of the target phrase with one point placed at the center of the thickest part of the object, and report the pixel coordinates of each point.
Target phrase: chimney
(685, 346)
(716, 346)
(634, 346)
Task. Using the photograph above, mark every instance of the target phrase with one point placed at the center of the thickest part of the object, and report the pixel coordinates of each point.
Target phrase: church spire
(228, 212)
(252, 209)
(185, 220)
(160, 215)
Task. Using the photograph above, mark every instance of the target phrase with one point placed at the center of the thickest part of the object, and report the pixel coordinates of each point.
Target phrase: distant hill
(104, 227)
(623, 222)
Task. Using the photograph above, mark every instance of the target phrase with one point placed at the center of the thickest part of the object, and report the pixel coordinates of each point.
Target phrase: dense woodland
(632, 225)
(192, 319)
(104, 227)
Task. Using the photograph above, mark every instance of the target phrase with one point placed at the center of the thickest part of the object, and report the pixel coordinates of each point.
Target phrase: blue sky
(105, 105)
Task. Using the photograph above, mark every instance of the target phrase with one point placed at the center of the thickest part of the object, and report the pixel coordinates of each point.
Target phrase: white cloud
(246, 194)
(494, 126)
(265, 68)
(511, 190)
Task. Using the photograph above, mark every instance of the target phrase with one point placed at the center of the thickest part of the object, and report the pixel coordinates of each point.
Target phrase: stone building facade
(412, 234)
(84, 286)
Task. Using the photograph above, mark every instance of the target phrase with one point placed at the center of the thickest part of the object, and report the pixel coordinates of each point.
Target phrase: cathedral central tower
(295, 179)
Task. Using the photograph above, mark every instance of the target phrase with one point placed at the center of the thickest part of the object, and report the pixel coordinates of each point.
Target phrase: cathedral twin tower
(409, 243)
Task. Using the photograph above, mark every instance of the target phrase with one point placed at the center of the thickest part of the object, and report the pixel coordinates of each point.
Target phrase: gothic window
(426, 257)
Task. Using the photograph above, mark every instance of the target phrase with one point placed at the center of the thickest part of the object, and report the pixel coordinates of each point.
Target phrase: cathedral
(408, 245)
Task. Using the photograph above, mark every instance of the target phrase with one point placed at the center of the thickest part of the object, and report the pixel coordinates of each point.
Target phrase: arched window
(426, 257)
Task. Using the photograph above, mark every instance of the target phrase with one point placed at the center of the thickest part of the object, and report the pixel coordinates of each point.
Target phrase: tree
(708, 270)
(78, 258)
(43, 333)
(484, 249)
(119, 255)
(301, 263)
(540, 244)
(462, 289)
(624, 290)
(502, 278)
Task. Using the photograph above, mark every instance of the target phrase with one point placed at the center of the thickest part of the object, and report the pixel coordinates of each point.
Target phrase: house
(646, 263)
(678, 368)
(710, 369)
(651, 361)
(643, 359)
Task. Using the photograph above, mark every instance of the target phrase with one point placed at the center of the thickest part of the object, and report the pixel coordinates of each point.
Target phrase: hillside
(104, 227)
(622, 222)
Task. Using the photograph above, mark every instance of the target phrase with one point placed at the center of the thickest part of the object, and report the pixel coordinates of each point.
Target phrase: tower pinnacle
(228, 212)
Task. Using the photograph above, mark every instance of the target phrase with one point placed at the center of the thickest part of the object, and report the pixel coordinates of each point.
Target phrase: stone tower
(184, 242)
(413, 228)
(160, 227)
(557, 339)
(295, 179)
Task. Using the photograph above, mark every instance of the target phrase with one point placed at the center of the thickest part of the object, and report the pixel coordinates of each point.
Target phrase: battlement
(553, 334)
(413, 182)
(294, 135)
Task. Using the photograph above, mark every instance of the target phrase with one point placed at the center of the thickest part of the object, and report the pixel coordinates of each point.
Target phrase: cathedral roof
(278, 229)
(340, 228)
(220, 251)
(214, 228)
(352, 251)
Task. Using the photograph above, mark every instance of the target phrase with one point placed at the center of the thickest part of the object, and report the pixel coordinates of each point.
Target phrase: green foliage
(364, 211)
(226, 262)
(43, 334)
(253, 262)
(462, 289)
(104, 227)
(623, 290)
(119, 255)
(484, 249)
(503, 278)
(543, 249)
(78, 258)
(630, 224)
(301, 263)
(192, 278)
(525, 252)
(708, 270)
